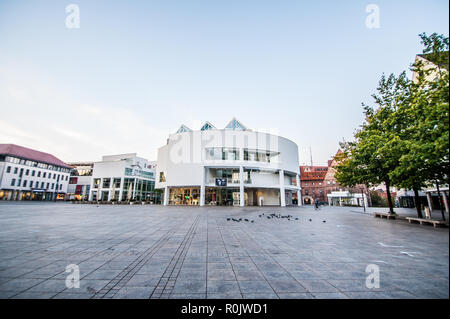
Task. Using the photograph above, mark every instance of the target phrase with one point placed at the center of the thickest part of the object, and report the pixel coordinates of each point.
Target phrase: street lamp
(362, 199)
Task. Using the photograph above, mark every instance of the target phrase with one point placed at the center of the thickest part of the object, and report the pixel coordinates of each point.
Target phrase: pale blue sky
(136, 70)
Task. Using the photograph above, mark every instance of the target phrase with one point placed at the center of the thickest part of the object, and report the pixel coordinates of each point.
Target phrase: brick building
(312, 183)
(319, 181)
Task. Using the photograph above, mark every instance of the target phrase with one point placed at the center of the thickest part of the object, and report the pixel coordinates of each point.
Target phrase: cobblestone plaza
(144, 251)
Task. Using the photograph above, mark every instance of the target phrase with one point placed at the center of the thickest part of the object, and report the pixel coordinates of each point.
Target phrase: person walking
(316, 204)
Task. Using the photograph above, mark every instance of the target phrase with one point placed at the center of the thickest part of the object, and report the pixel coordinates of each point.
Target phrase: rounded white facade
(228, 167)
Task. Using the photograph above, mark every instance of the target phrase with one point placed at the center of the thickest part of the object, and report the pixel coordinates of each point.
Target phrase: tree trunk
(440, 200)
(369, 198)
(417, 202)
(389, 198)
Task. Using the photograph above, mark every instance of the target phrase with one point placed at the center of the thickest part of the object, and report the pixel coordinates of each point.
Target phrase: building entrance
(184, 196)
(222, 196)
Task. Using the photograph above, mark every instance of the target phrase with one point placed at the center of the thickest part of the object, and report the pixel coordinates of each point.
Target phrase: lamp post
(362, 199)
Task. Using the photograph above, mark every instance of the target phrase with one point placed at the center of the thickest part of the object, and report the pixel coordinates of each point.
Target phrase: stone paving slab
(146, 252)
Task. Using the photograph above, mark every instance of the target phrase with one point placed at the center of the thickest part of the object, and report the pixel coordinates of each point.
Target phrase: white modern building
(234, 166)
(346, 198)
(80, 181)
(27, 174)
(123, 177)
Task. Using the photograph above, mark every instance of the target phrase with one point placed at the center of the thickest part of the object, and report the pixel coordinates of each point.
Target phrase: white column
(121, 189)
(91, 189)
(202, 188)
(134, 188)
(109, 194)
(241, 186)
(445, 201)
(166, 196)
(282, 192)
(430, 201)
(299, 192)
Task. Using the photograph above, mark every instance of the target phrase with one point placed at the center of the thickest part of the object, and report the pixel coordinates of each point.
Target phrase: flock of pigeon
(270, 216)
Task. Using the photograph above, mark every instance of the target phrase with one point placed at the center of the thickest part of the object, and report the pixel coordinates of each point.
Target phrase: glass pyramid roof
(207, 126)
(184, 128)
(235, 125)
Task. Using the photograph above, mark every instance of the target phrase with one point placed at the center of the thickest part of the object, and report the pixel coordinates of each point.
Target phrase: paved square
(195, 252)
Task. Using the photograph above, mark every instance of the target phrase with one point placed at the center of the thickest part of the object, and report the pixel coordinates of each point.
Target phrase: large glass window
(231, 154)
(231, 174)
(106, 182)
(96, 182)
(116, 183)
(128, 187)
(184, 196)
(222, 196)
(222, 153)
(259, 156)
(144, 189)
(105, 195)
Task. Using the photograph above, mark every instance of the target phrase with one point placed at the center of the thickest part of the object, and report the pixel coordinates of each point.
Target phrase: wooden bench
(385, 215)
(421, 221)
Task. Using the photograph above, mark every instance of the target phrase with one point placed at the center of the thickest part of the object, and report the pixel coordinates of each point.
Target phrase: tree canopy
(404, 140)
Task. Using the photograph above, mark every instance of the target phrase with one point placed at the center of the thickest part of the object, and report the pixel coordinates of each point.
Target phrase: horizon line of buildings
(234, 167)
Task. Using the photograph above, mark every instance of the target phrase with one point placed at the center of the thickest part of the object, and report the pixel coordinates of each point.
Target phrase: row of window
(116, 182)
(224, 153)
(320, 183)
(22, 161)
(34, 184)
(33, 173)
(142, 190)
(130, 172)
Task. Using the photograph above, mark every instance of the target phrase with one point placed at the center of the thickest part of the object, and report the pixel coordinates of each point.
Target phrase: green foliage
(377, 200)
(404, 140)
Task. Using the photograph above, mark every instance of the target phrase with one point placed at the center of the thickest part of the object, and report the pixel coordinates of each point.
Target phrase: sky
(134, 71)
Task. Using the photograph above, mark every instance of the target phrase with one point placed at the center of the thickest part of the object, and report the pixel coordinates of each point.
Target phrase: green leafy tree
(374, 154)
(422, 122)
(404, 140)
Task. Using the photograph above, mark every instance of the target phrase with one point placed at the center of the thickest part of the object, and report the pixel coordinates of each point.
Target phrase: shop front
(222, 196)
(184, 196)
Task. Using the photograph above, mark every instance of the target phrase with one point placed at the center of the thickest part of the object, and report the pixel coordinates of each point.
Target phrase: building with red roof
(27, 174)
(318, 182)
